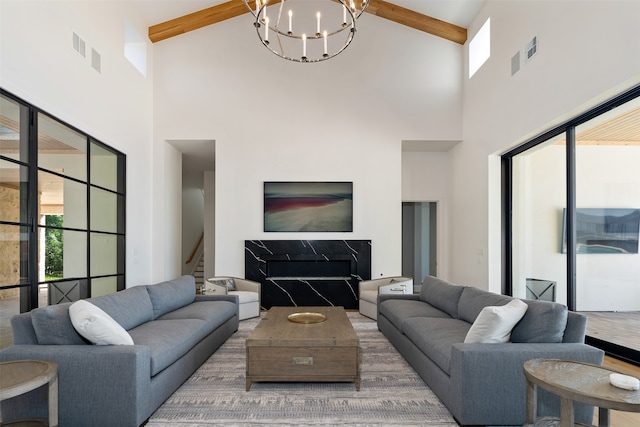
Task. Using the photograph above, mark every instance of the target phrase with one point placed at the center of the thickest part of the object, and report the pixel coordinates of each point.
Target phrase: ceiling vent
(96, 60)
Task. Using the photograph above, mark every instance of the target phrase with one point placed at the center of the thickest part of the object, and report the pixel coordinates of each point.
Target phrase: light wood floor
(620, 328)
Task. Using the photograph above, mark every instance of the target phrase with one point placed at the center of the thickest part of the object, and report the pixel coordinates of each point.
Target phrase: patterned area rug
(391, 393)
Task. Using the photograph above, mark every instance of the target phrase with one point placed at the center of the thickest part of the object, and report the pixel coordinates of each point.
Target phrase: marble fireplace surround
(308, 272)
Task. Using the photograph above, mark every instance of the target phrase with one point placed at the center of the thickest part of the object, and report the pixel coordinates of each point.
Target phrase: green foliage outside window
(53, 248)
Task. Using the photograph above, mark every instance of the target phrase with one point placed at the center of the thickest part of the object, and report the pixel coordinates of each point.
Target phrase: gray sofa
(481, 383)
(174, 331)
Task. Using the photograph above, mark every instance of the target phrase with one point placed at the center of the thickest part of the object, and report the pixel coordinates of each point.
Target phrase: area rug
(391, 393)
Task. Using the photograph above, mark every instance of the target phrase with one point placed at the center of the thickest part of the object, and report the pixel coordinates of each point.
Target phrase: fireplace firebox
(308, 272)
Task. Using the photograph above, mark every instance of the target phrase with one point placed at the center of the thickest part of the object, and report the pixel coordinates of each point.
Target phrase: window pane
(539, 199)
(104, 210)
(62, 196)
(13, 192)
(103, 286)
(10, 138)
(104, 167)
(73, 248)
(608, 213)
(104, 251)
(61, 149)
(14, 247)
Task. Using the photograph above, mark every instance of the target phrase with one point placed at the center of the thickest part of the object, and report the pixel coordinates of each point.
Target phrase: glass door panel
(539, 198)
(608, 211)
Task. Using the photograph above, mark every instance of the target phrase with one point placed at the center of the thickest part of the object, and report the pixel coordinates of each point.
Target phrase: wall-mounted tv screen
(605, 231)
(308, 206)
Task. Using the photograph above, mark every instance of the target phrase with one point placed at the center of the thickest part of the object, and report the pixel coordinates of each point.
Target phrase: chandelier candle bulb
(266, 29)
(304, 46)
(325, 43)
(290, 22)
(318, 26)
(344, 15)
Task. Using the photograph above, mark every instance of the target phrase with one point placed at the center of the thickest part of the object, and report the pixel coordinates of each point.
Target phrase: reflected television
(604, 231)
(308, 206)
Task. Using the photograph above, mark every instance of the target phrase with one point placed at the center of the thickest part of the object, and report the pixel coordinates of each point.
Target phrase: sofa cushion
(130, 307)
(494, 323)
(544, 322)
(435, 337)
(168, 340)
(441, 294)
(96, 325)
(167, 296)
(53, 326)
(473, 300)
(213, 312)
(399, 310)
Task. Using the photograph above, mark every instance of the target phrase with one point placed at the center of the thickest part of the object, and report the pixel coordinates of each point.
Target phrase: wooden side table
(21, 376)
(579, 382)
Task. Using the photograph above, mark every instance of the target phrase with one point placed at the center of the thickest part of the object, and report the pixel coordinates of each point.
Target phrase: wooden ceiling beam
(380, 8)
(418, 21)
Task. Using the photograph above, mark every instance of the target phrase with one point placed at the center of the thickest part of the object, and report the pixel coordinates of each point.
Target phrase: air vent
(96, 60)
(515, 63)
(79, 45)
(531, 49)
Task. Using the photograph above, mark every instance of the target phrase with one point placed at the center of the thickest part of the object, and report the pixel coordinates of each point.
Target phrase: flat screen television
(308, 206)
(604, 231)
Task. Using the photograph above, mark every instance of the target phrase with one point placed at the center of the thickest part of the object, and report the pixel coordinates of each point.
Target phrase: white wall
(38, 64)
(588, 52)
(425, 179)
(274, 120)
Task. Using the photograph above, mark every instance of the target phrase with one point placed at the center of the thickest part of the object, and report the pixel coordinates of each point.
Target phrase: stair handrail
(195, 250)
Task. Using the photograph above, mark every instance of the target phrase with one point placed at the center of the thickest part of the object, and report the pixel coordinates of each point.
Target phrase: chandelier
(306, 30)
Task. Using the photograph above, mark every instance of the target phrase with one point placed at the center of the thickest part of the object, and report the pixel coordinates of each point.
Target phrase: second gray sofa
(481, 383)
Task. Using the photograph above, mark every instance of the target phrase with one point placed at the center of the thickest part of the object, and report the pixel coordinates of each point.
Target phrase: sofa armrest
(217, 297)
(383, 297)
(489, 378)
(92, 381)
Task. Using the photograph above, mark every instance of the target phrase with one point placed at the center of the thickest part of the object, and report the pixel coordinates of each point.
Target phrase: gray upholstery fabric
(53, 326)
(473, 300)
(168, 340)
(22, 328)
(170, 295)
(576, 328)
(399, 310)
(130, 307)
(435, 337)
(215, 312)
(441, 294)
(544, 321)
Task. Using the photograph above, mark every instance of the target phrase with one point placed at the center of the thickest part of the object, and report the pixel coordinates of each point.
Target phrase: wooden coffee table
(580, 382)
(279, 350)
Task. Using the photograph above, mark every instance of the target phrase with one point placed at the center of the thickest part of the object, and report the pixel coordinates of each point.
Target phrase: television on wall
(604, 231)
(308, 206)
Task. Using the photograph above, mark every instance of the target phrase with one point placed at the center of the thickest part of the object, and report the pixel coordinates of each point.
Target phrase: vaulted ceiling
(445, 19)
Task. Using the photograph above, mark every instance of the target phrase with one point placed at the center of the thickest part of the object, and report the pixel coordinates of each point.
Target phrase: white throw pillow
(494, 323)
(97, 326)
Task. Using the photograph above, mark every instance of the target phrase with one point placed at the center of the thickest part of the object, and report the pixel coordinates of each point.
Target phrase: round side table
(579, 382)
(21, 376)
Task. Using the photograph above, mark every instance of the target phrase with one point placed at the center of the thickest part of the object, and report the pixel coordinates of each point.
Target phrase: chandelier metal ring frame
(313, 44)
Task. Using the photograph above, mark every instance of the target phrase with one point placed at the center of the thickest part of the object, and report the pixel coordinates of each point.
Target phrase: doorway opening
(419, 241)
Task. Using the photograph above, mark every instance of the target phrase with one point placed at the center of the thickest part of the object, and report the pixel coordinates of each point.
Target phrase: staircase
(198, 273)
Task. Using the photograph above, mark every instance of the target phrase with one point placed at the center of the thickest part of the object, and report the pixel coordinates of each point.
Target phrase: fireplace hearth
(308, 272)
